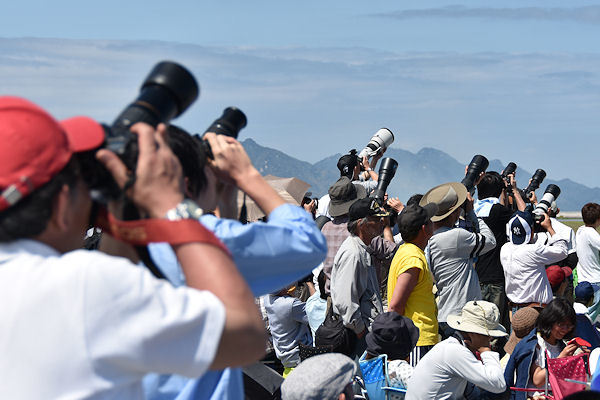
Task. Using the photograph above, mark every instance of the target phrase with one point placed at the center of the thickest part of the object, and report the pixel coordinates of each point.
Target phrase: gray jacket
(354, 287)
(450, 253)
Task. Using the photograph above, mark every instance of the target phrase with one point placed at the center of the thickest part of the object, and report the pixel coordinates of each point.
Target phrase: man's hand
(231, 162)
(377, 157)
(310, 207)
(396, 204)
(158, 183)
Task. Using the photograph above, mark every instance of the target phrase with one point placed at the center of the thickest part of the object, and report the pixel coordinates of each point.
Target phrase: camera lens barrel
(230, 123)
(478, 165)
(550, 194)
(536, 181)
(382, 138)
(510, 169)
(387, 170)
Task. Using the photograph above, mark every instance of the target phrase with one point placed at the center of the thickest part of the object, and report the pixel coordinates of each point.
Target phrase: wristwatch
(187, 209)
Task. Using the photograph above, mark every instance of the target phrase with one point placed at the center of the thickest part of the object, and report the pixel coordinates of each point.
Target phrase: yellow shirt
(420, 306)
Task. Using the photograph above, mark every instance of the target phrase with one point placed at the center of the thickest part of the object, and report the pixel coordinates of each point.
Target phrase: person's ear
(61, 210)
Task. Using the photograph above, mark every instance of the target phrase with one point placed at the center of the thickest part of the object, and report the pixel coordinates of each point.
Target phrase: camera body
(477, 165)
(536, 180)
(382, 139)
(168, 90)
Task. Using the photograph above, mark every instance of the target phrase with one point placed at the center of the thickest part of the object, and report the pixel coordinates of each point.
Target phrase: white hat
(478, 317)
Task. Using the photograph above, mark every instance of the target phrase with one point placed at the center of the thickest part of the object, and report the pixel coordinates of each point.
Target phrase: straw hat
(448, 197)
(478, 317)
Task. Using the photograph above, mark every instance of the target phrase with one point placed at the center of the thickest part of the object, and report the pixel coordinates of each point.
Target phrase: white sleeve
(138, 324)
(486, 374)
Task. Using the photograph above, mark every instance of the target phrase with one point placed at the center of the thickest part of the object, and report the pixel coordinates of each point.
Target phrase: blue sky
(513, 80)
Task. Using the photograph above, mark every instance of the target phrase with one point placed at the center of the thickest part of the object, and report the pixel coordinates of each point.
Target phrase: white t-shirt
(565, 231)
(588, 246)
(88, 325)
(525, 269)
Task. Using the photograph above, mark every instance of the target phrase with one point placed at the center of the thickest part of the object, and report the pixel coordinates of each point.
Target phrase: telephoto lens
(550, 194)
(383, 138)
(166, 93)
(387, 170)
(510, 169)
(230, 123)
(478, 165)
(536, 181)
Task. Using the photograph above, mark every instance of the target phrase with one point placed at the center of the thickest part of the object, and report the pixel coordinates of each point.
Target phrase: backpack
(332, 332)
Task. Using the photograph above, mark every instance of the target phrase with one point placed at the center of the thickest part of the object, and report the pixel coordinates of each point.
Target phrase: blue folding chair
(375, 376)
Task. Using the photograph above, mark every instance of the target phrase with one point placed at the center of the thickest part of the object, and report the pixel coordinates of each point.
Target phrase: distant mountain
(416, 173)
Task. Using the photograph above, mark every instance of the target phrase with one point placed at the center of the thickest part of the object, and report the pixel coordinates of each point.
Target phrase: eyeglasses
(566, 326)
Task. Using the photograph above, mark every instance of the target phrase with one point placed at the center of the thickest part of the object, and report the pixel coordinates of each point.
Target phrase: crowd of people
(186, 301)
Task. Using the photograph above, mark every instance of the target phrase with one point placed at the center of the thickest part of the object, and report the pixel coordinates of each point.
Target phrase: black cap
(365, 208)
(347, 162)
(392, 334)
(415, 216)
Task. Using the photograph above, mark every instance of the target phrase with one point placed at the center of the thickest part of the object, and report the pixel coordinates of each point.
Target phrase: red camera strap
(145, 231)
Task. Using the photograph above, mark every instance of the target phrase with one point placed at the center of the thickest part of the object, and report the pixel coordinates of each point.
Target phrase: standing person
(105, 321)
(525, 261)
(588, 248)
(289, 327)
(451, 250)
(492, 207)
(446, 370)
(354, 287)
(410, 283)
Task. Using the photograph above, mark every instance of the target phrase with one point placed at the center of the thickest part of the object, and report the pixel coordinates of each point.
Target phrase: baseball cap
(392, 334)
(414, 216)
(347, 162)
(448, 196)
(367, 207)
(478, 317)
(584, 291)
(556, 275)
(36, 147)
(342, 194)
(518, 229)
(324, 376)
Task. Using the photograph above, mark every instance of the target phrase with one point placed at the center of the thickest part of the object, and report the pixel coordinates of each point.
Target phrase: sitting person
(584, 298)
(557, 276)
(289, 327)
(396, 336)
(325, 376)
(445, 371)
(526, 367)
(523, 322)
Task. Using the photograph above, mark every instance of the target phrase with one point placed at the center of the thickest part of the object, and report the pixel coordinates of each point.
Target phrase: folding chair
(375, 376)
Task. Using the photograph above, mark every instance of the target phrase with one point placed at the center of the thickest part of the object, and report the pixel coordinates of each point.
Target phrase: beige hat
(478, 317)
(448, 196)
(523, 321)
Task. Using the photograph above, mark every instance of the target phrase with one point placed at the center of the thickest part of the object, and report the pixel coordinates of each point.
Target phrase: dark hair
(491, 185)
(30, 216)
(414, 199)
(353, 227)
(590, 213)
(321, 280)
(557, 311)
(409, 235)
(191, 157)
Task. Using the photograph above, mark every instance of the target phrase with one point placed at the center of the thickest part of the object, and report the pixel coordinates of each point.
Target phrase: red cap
(35, 147)
(556, 274)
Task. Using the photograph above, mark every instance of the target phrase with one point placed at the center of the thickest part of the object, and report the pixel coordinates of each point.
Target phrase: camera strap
(155, 230)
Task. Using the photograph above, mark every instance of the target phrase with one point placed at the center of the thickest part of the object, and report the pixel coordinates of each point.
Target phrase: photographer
(350, 166)
(493, 208)
(85, 324)
(524, 261)
(268, 255)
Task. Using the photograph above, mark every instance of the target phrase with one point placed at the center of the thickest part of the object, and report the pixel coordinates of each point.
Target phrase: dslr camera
(550, 194)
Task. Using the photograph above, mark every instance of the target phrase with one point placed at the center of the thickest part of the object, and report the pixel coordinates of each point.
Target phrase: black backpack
(332, 332)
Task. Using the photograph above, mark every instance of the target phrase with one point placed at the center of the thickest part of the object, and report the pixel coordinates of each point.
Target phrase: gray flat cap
(321, 377)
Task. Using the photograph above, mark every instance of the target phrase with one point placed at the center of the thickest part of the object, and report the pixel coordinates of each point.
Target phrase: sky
(513, 80)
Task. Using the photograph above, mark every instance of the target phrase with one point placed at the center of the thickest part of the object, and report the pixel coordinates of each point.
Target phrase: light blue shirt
(269, 255)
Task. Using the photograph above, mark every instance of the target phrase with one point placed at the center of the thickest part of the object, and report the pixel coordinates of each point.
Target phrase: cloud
(586, 14)
(313, 102)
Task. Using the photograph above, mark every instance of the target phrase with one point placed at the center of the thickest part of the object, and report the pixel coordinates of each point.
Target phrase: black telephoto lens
(510, 169)
(536, 181)
(478, 165)
(230, 123)
(387, 170)
(553, 190)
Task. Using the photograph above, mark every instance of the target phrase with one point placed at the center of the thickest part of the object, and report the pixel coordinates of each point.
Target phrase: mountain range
(416, 173)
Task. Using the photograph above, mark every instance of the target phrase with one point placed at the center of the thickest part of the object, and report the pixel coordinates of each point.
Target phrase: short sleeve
(411, 262)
